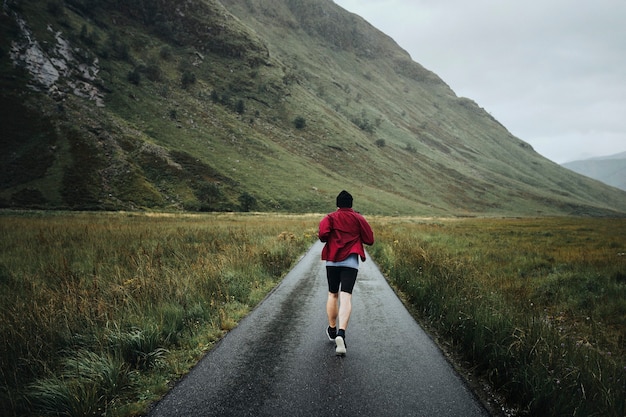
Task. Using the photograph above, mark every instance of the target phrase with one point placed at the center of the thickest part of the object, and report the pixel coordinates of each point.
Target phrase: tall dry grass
(99, 311)
(538, 306)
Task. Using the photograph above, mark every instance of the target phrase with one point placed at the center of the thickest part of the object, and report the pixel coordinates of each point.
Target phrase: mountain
(610, 169)
(270, 105)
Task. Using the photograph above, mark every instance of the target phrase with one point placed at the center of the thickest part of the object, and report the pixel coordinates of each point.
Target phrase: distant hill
(610, 170)
(268, 105)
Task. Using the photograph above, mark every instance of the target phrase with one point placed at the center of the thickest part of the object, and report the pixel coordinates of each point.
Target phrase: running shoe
(340, 348)
(331, 333)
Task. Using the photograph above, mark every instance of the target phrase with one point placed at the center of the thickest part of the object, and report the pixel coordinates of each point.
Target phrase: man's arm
(324, 229)
(367, 235)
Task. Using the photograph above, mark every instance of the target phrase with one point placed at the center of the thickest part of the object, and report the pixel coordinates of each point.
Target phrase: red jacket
(344, 231)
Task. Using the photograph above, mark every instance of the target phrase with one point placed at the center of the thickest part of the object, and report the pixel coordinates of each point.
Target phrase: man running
(344, 231)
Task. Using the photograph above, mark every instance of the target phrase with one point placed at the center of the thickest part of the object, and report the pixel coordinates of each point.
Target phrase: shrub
(187, 78)
(240, 107)
(299, 122)
(247, 201)
(364, 124)
(134, 76)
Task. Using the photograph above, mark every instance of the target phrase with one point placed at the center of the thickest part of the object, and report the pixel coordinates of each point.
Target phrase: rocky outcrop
(56, 70)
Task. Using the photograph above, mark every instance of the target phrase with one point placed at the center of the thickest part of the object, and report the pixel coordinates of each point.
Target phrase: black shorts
(341, 276)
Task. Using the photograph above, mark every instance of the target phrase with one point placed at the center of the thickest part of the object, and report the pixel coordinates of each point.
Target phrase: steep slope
(250, 105)
(610, 170)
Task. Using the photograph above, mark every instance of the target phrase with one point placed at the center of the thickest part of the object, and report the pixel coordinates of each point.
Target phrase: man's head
(344, 200)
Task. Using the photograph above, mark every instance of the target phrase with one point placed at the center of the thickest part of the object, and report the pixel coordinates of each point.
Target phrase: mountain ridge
(254, 105)
(620, 155)
(609, 169)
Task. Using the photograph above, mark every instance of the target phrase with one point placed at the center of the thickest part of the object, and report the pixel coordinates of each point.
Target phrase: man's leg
(345, 309)
(348, 279)
(332, 309)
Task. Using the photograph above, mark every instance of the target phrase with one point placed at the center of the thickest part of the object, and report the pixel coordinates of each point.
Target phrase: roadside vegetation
(537, 307)
(99, 313)
(102, 312)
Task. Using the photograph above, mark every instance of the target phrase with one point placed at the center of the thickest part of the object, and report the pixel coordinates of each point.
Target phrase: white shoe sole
(340, 349)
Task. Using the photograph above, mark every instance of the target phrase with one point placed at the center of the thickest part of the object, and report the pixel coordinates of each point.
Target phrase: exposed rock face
(56, 71)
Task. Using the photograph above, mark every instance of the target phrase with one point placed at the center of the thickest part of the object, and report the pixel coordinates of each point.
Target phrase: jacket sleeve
(324, 229)
(367, 235)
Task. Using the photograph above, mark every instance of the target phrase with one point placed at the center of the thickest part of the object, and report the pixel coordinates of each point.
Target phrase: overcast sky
(553, 72)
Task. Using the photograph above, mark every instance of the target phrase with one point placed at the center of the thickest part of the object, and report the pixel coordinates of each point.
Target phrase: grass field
(100, 312)
(536, 306)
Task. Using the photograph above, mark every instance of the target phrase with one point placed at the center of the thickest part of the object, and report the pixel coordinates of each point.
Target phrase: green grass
(537, 306)
(100, 312)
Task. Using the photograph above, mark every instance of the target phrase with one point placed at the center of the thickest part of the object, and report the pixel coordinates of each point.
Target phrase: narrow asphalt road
(279, 362)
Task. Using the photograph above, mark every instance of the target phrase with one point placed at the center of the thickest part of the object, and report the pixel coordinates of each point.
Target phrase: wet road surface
(279, 362)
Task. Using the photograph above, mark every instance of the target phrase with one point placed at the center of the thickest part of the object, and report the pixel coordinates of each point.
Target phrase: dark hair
(344, 199)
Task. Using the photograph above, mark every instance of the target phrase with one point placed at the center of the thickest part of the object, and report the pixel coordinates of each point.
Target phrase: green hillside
(250, 105)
